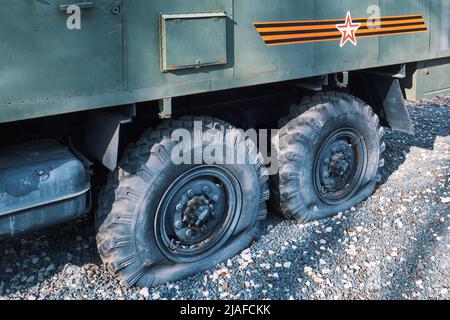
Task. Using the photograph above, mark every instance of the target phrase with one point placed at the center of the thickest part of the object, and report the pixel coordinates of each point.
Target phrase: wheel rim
(198, 213)
(340, 166)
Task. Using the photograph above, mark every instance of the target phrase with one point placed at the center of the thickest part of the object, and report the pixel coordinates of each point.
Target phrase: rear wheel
(161, 221)
(329, 152)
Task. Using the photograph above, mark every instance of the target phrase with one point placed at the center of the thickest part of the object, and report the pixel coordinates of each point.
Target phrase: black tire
(321, 126)
(135, 205)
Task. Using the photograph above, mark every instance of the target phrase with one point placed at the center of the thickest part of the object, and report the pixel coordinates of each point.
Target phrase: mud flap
(395, 111)
(381, 89)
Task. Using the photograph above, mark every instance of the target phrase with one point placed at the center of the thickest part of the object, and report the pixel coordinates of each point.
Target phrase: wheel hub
(339, 166)
(196, 213)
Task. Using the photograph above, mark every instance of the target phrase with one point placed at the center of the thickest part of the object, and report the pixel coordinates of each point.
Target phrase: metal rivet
(115, 10)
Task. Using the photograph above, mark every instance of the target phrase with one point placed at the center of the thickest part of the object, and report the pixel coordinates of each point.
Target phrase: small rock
(156, 296)
(265, 266)
(394, 252)
(317, 279)
(352, 250)
(445, 200)
(246, 255)
(144, 292)
(307, 270)
(50, 268)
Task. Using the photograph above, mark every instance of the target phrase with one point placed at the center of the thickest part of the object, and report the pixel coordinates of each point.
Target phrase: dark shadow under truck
(92, 93)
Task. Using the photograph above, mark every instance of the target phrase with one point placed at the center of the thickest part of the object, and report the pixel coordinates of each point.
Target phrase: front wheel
(161, 221)
(329, 152)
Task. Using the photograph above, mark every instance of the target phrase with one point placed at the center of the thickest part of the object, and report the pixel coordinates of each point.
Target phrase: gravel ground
(395, 245)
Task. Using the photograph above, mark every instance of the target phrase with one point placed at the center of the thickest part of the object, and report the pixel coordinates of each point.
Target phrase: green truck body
(101, 99)
(129, 51)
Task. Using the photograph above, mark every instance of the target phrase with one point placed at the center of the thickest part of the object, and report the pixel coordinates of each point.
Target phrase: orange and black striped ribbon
(304, 31)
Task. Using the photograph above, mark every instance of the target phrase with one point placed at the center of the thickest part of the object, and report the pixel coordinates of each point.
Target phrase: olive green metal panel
(193, 40)
(367, 49)
(122, 55)
(43, 61)
(432, 78)
(403, 46)
(144, 52)
(441, 25)
(435, 76)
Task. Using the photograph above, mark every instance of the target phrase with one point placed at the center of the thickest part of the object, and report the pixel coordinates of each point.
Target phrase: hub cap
(340, 166)
(198, 213)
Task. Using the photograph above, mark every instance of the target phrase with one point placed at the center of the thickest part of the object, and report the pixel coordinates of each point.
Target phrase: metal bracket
(81, 5)
(396, 71)
(165, 106)
(103, 134)
(314, 83)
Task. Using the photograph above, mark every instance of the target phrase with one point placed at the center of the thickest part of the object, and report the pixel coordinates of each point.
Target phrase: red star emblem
(348, 30)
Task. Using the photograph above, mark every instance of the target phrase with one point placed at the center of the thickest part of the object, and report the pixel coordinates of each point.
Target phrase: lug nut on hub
(189, 233)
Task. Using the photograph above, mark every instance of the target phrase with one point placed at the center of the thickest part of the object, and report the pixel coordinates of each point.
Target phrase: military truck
(95, 93)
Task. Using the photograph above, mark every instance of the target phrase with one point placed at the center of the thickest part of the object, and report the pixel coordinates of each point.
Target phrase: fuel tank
(41, 184)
